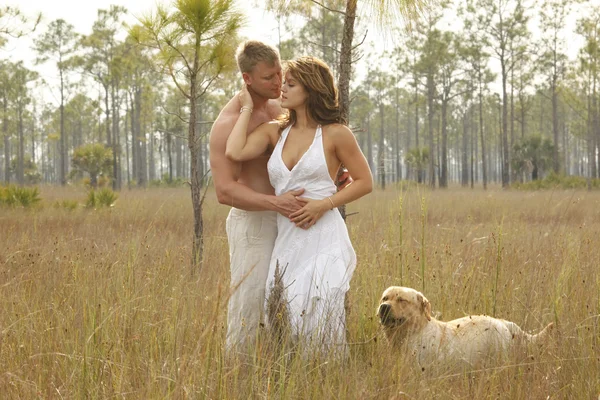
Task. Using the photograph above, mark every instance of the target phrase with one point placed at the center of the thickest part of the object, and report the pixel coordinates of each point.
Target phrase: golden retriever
(472, 342)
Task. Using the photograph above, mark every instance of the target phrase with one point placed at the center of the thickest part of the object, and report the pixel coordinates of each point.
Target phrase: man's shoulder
(226, 117)
(230, 112)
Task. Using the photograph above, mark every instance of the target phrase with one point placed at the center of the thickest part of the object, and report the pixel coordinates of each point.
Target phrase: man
(251, 225)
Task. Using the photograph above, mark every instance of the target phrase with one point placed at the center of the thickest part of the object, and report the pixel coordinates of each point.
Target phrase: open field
(103, 304)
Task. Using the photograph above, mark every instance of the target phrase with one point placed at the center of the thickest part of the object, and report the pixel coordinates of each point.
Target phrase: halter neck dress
(317, 263)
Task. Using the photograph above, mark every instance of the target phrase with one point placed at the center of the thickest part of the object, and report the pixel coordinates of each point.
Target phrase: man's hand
(343, 179)
(287, 203)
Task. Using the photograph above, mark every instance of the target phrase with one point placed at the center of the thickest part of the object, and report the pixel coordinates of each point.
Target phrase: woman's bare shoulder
(270, 126)
(270, 129)
(336, 130)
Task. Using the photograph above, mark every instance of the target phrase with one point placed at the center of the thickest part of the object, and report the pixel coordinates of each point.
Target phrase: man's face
(265, 79)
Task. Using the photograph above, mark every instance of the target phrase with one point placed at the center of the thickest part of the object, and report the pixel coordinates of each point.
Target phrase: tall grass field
(101, 303)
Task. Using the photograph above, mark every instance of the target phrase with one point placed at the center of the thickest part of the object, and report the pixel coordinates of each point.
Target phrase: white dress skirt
(317, 263)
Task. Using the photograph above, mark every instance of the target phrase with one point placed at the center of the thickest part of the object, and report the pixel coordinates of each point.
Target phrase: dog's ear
(425, 306)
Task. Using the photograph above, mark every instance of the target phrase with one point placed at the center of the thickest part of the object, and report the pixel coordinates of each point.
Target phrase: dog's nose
(384, 310)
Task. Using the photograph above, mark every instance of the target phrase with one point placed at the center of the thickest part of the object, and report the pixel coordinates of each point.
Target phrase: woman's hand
(310, 213)
(245, 98)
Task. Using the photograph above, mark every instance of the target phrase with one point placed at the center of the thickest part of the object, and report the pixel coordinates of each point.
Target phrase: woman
(308, 146)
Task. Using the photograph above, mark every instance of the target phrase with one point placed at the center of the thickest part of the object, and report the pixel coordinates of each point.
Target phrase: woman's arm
(351, 156)
(349, 153)
(242, 146)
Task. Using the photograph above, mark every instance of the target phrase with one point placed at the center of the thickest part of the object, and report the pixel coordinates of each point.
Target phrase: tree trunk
(6, 140)
(116, 150)
(593, 131)
(555, 154)
(419, 169)
(134, 150)
(198, 240)
(407, 143)
(505, 160)
(346, 59)
(127, 116)
(178, 157)
(345, 70)
(144, 155)
(21, 158)
(200, 166)
(33, 135)
(444, 152)
(523, 122)
(381, 150)
(398, 168)
(430, 95)
(534, 172)
(169, 156)
(63, 135)
(107, 122)
(137, 137)
(483, 155)
(464, 180)
(94, 181)
(473, 148)
(151, 161)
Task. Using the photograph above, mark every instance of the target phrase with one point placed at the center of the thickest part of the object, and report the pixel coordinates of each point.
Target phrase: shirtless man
(252, 224)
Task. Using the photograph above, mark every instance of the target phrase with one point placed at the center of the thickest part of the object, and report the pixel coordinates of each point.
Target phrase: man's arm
(229, 190)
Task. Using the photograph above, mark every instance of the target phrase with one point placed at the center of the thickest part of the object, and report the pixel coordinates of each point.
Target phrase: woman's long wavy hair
(322, 104)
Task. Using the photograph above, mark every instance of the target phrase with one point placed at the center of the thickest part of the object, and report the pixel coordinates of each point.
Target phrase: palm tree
(533, 154)
(418, 158)
(193, 44)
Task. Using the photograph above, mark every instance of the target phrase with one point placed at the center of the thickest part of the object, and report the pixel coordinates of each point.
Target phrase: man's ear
(246, 77)
(425, 306)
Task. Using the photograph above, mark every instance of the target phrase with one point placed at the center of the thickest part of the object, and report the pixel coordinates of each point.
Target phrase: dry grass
(102, 304)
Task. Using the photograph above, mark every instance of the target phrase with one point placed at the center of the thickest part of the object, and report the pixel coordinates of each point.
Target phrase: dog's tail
(520, 334)
(543, 335)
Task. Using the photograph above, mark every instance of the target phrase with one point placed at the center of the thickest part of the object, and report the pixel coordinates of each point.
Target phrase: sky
(82, 14)
(259, 24)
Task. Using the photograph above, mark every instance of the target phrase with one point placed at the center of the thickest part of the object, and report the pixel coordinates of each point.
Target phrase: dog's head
(401, 306)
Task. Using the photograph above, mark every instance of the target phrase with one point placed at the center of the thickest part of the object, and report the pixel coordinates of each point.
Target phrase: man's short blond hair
(251, 52)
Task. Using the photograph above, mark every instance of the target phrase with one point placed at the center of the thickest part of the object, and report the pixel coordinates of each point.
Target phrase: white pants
(251, 236)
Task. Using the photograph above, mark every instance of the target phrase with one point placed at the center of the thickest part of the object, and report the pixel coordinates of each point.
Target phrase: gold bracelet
(331, 201)
(245, 109)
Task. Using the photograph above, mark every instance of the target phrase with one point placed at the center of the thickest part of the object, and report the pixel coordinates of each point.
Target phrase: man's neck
(260, 102)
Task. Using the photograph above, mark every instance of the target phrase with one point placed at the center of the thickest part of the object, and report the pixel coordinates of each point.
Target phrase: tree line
(477, 101)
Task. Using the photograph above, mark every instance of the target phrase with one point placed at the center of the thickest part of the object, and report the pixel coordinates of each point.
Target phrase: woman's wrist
(329, 203)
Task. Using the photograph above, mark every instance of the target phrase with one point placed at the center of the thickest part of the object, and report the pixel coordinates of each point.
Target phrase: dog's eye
(385, 298)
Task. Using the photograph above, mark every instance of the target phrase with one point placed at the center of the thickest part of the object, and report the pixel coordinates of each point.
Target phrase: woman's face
(293, 94)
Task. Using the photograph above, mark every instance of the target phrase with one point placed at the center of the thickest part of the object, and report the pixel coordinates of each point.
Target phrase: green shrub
(556, 181)
(13, 195)
(165, 182)
(101, 198)
(69, 205)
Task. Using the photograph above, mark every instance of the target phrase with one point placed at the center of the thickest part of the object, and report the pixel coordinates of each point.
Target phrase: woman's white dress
(318, 262)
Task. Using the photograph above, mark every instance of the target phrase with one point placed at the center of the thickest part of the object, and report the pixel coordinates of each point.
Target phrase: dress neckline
(284, 138)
